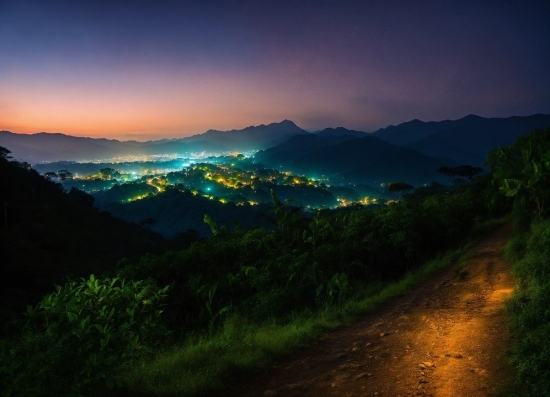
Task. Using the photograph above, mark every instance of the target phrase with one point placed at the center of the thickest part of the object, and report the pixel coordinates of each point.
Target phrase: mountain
(465, 141)
(411, 131)
(366, 160)
(398, 165)
(50, 147)
(473, 136)
(340, 131)
(410, 151)
(294, 148)
(250, 138)
(46, 147)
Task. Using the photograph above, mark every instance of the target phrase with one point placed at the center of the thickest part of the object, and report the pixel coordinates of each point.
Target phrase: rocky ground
(446, 338)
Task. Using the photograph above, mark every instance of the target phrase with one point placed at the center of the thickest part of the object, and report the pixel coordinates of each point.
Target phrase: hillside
(294, 148)
(399, 165)
(358, 160)
(174, 212)
(47, 234)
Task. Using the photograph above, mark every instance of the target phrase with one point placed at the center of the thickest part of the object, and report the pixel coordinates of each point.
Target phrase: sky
(151, 69)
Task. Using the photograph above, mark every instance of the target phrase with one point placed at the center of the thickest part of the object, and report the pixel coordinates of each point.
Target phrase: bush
(79, 336)
(529, 314)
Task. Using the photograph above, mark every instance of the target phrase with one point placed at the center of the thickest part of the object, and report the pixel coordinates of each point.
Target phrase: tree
(466, 171)
(109, 173)
(4, 153)
(64, 175)
(522, 170)
(400, 187)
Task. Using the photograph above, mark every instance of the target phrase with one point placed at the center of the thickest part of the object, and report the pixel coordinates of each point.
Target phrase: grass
(209, 363)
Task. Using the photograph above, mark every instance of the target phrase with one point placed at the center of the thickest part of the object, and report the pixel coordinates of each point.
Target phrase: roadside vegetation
(210, 363)
(522, 171)
(191, 321)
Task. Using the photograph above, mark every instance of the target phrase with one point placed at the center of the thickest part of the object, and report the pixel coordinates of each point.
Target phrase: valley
(203, 272)
(274, 198)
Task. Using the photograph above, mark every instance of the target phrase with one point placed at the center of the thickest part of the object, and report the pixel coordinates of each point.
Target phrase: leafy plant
(94, 326)
(522, 170)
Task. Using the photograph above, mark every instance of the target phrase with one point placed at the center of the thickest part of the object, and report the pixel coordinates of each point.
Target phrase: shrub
(80, 335)
(529, 315)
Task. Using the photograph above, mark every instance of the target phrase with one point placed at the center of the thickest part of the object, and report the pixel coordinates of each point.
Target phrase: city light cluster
(234, 178)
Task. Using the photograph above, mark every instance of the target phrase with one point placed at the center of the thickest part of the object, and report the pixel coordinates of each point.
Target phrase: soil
(446, 338)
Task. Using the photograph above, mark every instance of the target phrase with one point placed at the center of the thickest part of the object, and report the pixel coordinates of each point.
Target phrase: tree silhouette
(4, 153)
(109, 173)
(401, 187)
(466, 171)
(64, 175)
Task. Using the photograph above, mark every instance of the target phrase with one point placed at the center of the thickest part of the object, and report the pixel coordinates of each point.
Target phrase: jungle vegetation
(522, 172)
(188, 306)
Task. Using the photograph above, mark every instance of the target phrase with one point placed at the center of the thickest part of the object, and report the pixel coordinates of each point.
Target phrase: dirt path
(447, 338)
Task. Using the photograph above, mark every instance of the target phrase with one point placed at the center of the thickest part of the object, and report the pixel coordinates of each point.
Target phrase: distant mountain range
(409, 151)
(466, 140)
(46, 147)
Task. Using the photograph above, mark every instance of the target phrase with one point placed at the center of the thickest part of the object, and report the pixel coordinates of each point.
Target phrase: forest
(131, 297)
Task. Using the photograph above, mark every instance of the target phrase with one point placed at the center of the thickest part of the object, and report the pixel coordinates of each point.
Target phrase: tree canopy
(522, 170)
(399, 187)
(466, 171)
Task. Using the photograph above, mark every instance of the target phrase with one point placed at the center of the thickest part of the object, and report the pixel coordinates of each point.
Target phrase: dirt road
(447, 338)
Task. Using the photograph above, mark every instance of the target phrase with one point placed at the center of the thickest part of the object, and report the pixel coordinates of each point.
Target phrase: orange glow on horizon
(145, 105)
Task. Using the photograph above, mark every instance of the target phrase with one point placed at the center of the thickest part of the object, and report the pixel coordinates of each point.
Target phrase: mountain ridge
(49, 147)
(465, 140)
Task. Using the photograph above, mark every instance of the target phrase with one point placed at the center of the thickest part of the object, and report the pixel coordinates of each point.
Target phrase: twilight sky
(150, 69)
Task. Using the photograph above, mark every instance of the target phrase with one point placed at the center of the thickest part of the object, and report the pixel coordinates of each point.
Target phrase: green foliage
(308, 263)
(210, 363)
(212, 224)
(77, 337)
(89, 331)
(522, 171)
(46, 233)
(529, 314)
(515, 248)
